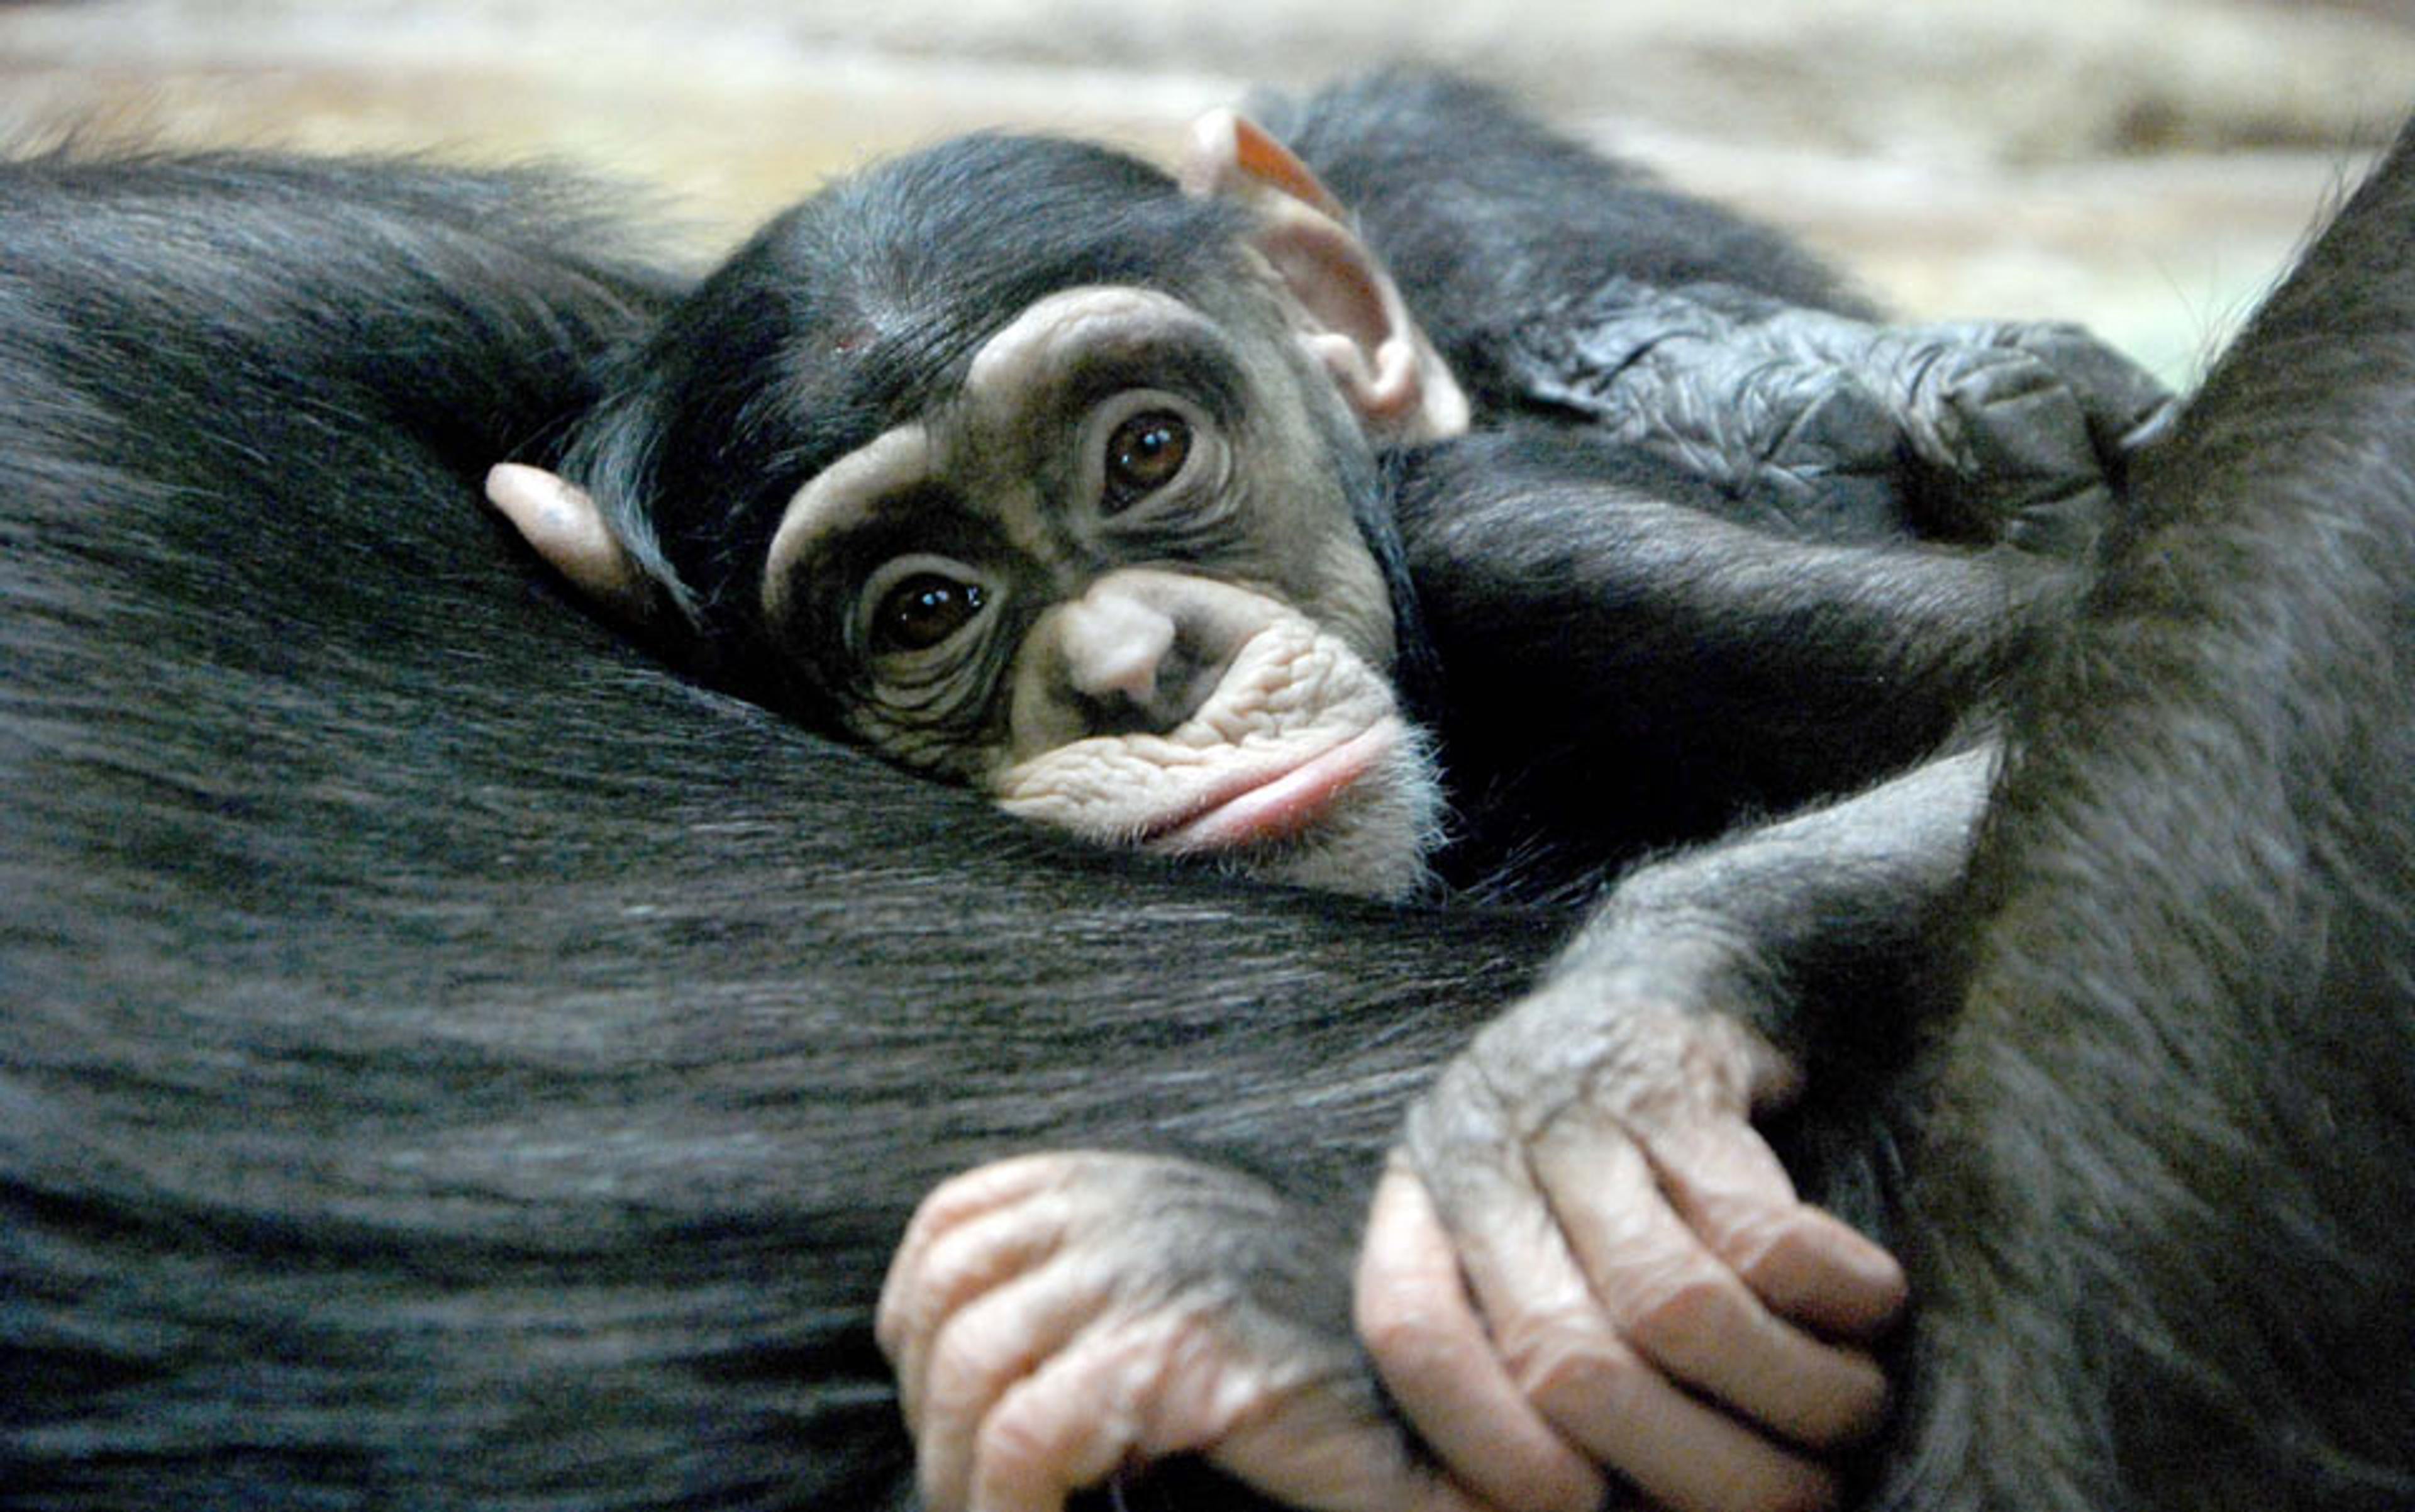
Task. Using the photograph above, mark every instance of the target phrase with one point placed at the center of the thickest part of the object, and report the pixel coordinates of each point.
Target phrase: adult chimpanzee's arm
(1627, 1235)
(2158, 1207)
(1623, 669)
(2158, 1183)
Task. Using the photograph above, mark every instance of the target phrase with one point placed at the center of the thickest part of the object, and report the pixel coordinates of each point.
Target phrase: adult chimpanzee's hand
(1057, 1318)
(1583, 1234)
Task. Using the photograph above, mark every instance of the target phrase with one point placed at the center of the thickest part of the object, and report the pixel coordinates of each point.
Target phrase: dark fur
(1487, 218)
(448, 1060)
(1622, 671)
(2159, 1224)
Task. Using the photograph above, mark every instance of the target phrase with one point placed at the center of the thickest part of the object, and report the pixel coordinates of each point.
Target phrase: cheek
(1309, 553)
(1316, 558)
(1353, 601)
(1295, 461)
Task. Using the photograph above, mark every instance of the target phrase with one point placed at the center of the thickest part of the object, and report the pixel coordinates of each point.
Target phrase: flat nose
(1115, 646)
(1136, 654)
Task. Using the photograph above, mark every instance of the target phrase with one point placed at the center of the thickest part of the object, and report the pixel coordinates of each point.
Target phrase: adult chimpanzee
(448, 1060)
(1031, 469)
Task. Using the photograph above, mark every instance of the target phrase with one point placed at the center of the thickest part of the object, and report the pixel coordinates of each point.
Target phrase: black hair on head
(849, 313)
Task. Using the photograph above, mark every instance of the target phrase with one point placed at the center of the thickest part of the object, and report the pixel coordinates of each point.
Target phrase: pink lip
(1269, 806)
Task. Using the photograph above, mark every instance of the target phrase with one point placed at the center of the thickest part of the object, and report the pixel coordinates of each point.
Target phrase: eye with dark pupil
(1144, 454)
(922, 611)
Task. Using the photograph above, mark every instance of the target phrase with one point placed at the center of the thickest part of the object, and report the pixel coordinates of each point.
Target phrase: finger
(950, 1206)
(1683, 1309)
(1558, 1345)
(985, 1355)
(2115, 392)
(1329, 1451)
(1811, 1268)
(1805, 1265)
(960, 1269)
(988, 1228)
(1063, 1428)
(1146, 1390)
(1431, 1351)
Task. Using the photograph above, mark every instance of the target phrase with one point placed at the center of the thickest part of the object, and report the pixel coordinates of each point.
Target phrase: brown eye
(922, 611)
(1144, 454)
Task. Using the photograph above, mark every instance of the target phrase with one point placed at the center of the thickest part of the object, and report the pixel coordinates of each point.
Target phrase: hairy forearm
(1780, 923)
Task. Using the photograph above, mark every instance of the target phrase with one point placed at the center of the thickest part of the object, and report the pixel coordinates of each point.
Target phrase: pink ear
(1230, 154)
(1353, 319)
(561, 523)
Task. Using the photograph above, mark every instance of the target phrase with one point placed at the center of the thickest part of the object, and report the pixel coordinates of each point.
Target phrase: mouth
(1264, 807)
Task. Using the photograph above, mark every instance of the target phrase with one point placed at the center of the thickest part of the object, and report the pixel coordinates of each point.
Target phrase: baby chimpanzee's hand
(1978, 433)
(1056, 1319)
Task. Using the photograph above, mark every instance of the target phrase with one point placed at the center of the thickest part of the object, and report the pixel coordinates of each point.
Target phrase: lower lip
(1279, 809)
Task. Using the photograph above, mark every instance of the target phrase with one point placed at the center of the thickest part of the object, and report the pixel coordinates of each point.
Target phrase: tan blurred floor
(2143, 165)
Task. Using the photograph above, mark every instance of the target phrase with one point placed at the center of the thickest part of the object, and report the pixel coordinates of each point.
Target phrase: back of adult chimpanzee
(446, 1060)
(2159, 1226)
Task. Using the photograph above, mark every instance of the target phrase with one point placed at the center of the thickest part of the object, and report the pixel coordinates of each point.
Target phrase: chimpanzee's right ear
(561, 523)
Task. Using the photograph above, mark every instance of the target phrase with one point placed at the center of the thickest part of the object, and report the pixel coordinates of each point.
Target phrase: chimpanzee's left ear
(1352, 317)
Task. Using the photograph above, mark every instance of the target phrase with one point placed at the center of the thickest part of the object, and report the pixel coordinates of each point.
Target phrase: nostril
(1118, 715)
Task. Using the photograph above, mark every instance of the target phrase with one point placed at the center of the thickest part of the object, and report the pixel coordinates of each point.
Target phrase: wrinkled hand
(1979, 432)
(1582, 1241)
(2019, 431)
(1057, 1318)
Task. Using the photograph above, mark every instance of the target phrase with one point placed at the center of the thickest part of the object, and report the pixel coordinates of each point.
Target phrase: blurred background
(2142, 165)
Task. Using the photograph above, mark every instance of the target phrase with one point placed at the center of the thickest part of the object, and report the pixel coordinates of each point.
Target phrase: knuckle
(1021, 1441)
(970, 1193)
(1563, 1356)
(1777, 1242)
(966, 1198)
(1689, 1318)
(943, 1276)
(1408, 1341)
(968, 1369)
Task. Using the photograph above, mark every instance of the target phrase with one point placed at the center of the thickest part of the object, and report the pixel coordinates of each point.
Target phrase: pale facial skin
(1114, 582)
(1161, 628)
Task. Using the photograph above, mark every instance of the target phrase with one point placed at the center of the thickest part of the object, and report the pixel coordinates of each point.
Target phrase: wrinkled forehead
(901, 275)
(860, 373)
